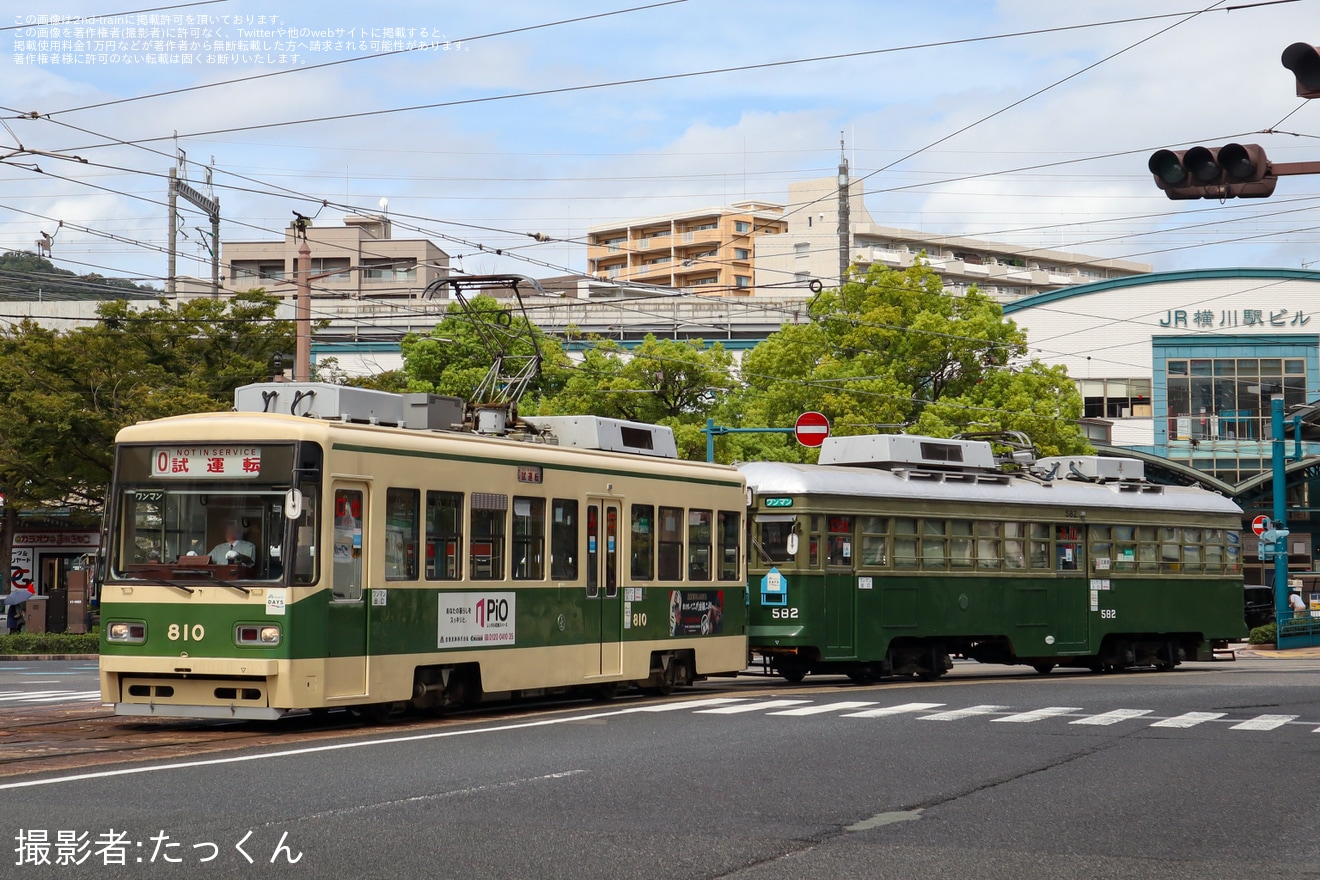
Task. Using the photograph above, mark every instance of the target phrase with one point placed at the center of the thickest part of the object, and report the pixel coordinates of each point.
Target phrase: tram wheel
(793, 673)
(864, 675)
(1043, 668)
(606, 692)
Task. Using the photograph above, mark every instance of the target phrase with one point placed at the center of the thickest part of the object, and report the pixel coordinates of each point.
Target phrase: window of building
(1229, 398)
(742, 281)
(802, 249)
(337, 265)
(742, 254)
(1116, 398)
(742, 226)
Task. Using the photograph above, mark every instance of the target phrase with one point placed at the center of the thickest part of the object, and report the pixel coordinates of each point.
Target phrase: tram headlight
(124, 632)
(256, 634)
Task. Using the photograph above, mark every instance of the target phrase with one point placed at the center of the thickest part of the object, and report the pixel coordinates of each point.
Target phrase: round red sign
(1260, 524)
(811, 429)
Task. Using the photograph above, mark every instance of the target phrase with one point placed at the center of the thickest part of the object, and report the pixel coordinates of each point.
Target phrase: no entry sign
(811, 429)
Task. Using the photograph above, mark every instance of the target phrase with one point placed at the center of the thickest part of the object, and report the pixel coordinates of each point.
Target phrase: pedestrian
(15, 617)
(1297, 603)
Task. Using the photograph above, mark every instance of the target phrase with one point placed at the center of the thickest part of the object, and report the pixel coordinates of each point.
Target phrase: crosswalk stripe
(52, 697)
(688, 704)
(1264, 722)
(828, 707)
(1113, 717)
(1038, 714)
(1189, 719)
(751, 707)
(894, 710)
(959, 714)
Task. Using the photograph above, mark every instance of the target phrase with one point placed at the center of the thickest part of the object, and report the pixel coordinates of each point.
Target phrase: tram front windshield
(232, 528)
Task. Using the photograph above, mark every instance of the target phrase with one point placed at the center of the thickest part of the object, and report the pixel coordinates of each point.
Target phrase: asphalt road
(1207, 771)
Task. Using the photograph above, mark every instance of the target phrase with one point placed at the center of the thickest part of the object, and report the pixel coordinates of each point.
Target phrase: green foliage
(1264, 635)
(50, 643)
(891, 350)
(454, 357)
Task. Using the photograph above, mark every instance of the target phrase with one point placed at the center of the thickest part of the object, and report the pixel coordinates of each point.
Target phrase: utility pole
(209, 204)
(302, 368)
(845, 226)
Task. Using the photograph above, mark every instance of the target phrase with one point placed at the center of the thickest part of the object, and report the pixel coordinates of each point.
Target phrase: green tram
(327, 547)
(896, 552)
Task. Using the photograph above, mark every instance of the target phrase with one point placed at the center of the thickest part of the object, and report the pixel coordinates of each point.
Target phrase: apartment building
(707, 251)
(809, 251)
(361, 258)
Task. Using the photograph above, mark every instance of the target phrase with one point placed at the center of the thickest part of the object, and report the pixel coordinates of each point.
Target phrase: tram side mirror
(293, 504)
(791, 545)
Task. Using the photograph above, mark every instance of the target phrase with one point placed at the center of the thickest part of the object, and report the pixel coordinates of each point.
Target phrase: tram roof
(782, 478)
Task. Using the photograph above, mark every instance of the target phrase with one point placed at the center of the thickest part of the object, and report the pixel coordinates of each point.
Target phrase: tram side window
(1170, 549)
(814, 541)
(774, 537)
(1192, 556)
(1125, 548)
(1101, 548)
(643, 547)
(730, 529)
(305, 555)
(401, 534)
(905, 542)
(989, 544)
(444, 536)
(528, 538)
(486, 546)
(1233, 556)
(875, 541)
(840, 542)
(1039, 545)
(1214, 549)
(960, 544)
(348, 544)
(1147, 549)
(699, 545)
(1015, 546)
(934, 545)
(671, 544)
(1067, 548)
(563, 539)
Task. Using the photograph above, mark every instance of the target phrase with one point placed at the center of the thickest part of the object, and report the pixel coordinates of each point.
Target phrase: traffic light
(1239, 171)
(1303, 60)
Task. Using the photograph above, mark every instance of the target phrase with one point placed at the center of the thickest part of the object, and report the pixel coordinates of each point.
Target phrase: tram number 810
(193, 633)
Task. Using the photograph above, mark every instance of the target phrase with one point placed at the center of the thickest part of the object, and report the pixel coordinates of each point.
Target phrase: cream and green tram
(328, 547)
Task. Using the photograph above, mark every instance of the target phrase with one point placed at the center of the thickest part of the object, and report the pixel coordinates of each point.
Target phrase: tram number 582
(193, 633)
(784, 613)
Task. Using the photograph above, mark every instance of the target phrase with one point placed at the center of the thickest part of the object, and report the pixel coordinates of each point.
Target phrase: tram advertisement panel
(696, 612)
(468, 619)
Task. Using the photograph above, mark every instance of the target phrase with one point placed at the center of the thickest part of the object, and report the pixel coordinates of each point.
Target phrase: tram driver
(233, 550)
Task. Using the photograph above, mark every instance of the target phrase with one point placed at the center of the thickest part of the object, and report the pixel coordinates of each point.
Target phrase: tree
(892, 349)
(454, 357)
(64, 395)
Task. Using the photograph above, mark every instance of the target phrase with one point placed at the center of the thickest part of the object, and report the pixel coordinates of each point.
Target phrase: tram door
(346, 616)
(603, 613)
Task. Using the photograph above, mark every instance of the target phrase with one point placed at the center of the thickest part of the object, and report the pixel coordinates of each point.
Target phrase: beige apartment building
(707, 251)
(359, 259)
(809, 251)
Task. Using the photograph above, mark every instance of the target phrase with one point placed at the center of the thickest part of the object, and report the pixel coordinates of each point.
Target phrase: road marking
(1113, 717)
(828, 707)
(1264, 722)
(752, 707)
(47, 696)
(1189, 719)
(689, 704)
(960, 714)
(1038, 714)
(894, 710)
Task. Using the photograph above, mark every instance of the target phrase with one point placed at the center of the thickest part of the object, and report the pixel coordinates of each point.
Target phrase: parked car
(1258, 605)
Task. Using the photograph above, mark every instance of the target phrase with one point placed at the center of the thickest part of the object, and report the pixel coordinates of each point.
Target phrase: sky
(1028, 122)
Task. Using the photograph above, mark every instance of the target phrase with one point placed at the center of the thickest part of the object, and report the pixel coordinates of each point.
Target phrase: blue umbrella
(16, 596)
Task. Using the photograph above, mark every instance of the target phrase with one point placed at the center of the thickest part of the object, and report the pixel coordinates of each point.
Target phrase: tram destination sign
(206, 462)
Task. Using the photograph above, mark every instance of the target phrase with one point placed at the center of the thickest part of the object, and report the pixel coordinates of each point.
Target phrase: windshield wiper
(764, 553)
(211, 576)
(164, 583)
